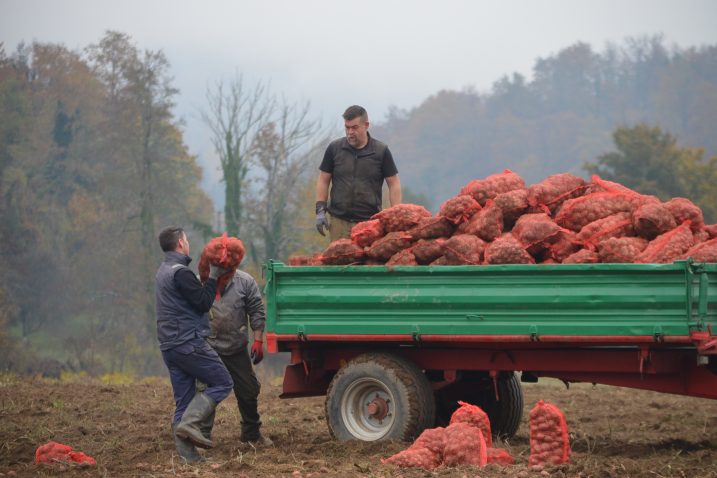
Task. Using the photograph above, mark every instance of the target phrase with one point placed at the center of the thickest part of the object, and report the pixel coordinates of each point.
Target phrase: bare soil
(126, 428)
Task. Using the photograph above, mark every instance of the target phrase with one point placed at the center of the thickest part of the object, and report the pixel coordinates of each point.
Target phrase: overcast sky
(334, 53)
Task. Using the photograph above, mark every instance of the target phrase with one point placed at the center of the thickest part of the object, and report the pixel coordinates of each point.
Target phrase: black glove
(321, 221)
(216, 271)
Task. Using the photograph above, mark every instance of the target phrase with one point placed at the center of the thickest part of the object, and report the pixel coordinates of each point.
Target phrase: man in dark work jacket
(355, 167)
(182, 328)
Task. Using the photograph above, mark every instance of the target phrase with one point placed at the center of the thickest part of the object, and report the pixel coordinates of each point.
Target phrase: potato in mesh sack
(441, 261)
(459, 209)
(683, 209)
(402, 258)
(415, 458)
(652, 219)
(474, 416)
(703, 252)
(512, 203)
(556, 189)
(388, 245)
(428, 250)
(401, 217)
(342, 252)
(583, 256)
(700, 235)
(432, 227)
(567, 243)
(463, 249)
(615, 225)
(300, 260)
(599, 185)
(536, 231)
(465, 445)
(486, 224)
(711, 230)
(549, 438)
(576, 213)
(669, 246)
(621, 249)
(365, 233)
(507, 250)
(223, 251)
(491, 186)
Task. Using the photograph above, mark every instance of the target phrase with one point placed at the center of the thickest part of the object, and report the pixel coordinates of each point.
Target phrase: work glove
(216, 271)
(257, 351)
(321, 221)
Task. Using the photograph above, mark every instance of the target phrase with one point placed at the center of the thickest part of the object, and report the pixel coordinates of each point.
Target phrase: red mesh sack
(683, 209)
(549, 440)
(428, 250)
(402, 258)
(711, 230)
(301, 260)
(441, 261)
(463, 249)
(512, 204)
(433, 439)
(459, 209)
(223, 251)
(486, 224)
(621, 249)
(491, 186)
(53, 452)
(700, 236)
(567, 243)
(401, 217)
(342, 252)
(389, 245)
(556, 189)
(615, 225)
(583, 256)
(465, 445)
(603, 185)
(474, 416)
(652, 219)
(507, 250)
(366, 232)
(669, 246)
(576, 213)
(415, 458)
(704, 252)
(499, 456)
(432, 227)
(536, 231)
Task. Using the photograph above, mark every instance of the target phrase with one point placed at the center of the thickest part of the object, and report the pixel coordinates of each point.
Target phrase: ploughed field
(126, 428)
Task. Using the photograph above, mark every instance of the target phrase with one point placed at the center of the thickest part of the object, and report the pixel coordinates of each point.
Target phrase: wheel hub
(377, 408)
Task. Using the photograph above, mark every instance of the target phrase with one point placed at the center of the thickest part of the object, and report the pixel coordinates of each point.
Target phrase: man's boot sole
(199, 440)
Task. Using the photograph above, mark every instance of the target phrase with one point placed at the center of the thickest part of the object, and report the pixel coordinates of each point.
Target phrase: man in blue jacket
(182, 328)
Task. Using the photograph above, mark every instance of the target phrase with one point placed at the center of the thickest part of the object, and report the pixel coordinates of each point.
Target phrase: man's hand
(321, 221)
(257, 351)
(216, 271)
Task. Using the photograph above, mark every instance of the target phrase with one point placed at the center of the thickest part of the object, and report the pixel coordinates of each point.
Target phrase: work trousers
(246, 391)
(191, 361)
(339, 229)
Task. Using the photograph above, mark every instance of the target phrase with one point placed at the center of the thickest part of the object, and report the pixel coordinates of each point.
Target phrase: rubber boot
(199, 409)
(206, 426)
(185, 449)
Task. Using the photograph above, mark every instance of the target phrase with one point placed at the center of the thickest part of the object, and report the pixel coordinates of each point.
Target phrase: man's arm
(255, 308)
(199, 296)
(394, 190)
(322, 186)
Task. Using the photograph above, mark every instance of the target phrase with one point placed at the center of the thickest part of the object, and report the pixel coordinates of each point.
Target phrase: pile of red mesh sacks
(466, 440)
(223, 251)
(500, 220)
(53, 452)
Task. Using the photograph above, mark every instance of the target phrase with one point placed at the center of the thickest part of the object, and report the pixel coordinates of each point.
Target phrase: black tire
(399, 385)
(504, 414)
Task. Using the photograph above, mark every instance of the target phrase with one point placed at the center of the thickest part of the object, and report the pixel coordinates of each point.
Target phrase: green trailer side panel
(567, 300)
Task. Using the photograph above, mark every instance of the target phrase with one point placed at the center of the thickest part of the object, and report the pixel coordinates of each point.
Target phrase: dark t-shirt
(357, 177)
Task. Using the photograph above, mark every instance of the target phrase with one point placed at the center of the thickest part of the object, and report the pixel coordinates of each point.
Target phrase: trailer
(395, 348)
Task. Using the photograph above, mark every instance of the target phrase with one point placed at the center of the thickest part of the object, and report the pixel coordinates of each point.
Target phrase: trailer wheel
(504, 414)
(379, 396)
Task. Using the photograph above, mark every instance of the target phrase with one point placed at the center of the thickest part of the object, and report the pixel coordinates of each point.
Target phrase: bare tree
(283, 150)
(235, 114)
